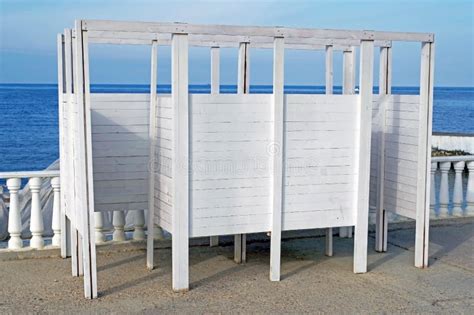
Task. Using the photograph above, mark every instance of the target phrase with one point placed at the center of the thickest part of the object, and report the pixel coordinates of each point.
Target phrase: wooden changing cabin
(216, 164)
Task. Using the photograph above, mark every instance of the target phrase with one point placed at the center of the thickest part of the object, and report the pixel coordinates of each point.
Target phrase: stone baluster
(118, 221)
(434, 167)
(444, 189)
(14, 216)
(457, 192)
(470, 189)
(99, 227)
(56, 222)
(36, 219)
(139, 225)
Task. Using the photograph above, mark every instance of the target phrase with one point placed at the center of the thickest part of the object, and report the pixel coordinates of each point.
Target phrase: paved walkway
(310, 282)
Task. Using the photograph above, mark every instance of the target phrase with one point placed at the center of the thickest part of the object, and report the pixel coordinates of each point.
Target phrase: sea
(29, 115)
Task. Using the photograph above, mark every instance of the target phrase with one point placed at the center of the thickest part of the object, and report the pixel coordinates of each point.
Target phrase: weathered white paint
(180, 163)
(451, 142)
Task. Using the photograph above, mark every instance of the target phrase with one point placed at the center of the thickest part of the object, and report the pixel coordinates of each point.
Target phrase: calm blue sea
(29, 116)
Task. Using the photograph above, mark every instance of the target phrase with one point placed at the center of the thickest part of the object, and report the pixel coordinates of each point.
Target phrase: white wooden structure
(209, 165)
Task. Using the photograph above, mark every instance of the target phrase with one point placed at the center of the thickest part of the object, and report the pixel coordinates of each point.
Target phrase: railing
(116, 225)
(452, 194)
(452, 186)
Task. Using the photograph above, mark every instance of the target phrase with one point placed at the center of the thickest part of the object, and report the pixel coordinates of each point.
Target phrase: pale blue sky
(28, 31)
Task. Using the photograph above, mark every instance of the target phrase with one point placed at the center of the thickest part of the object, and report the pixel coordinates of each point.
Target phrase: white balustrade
(457, 191)
(14, 216)
(118, 221)
(56, 221)
(36, 219)
(139, 225)
(99, 227)
(470, 189)
(444, 189)
(461, 206)
(434, 167)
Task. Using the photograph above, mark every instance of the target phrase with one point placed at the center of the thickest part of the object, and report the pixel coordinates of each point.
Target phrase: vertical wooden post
(67, 173)
(62, 143)
(385, 79)
(348, 86)
(278, 155)
(363, 160)
(215, 70)
(243, 86)
(181, 163)
(329, 90)
(215, 89)
(84, 165)
(151, 157)
(424, 155)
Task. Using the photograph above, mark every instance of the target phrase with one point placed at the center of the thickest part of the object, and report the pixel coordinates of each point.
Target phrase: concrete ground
(310, 281)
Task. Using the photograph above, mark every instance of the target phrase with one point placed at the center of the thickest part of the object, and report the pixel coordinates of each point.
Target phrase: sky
(28, 30)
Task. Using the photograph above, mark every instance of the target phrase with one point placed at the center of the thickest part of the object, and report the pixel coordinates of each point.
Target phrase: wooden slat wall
(120, 150)
(163, 163)
(231, 183)
(320, 133)
(401, 154)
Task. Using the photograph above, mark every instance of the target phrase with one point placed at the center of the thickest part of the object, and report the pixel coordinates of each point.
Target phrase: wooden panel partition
(209, 165)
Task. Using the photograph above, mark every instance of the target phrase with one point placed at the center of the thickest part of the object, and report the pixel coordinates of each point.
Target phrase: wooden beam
(180, 163)
(278, 157)
(151, 157)
(363, 160)
(157, 27)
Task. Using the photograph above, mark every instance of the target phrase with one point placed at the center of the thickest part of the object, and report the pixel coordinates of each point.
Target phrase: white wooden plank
(329, 69)
(424, 155)
(361, 226)
(279, 147)
(180, 219)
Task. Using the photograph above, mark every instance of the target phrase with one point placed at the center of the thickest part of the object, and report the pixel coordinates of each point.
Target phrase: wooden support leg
(214, 241)
(240, 248)
(80, 255)
(74, 252)
(329, 242)
(65, 237)
(381, 228)
(275, 255)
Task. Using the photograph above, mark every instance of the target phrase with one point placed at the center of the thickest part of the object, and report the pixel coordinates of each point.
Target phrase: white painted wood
(88, 234)
(363, 158)
(329, 90)
(14, 215)
(378, 157)
(215, 70)
(243, 72)
(278, 157)
(215, 89)
(424, 155)
(156, 27)
(151, 156)
(56, 219)
(180, 163)
(243, 86)
(61, 215)
(329, 69)
(434, 167)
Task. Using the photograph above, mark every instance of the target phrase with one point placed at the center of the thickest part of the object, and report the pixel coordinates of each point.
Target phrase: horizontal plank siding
(401, 154)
